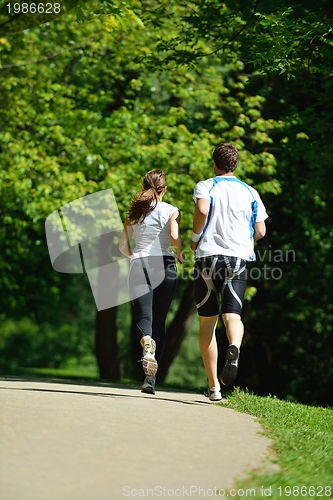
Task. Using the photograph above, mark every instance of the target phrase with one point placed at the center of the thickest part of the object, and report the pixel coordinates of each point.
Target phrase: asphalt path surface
(67, 440)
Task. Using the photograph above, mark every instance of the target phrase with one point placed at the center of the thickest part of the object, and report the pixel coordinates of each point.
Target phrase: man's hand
(194, 245)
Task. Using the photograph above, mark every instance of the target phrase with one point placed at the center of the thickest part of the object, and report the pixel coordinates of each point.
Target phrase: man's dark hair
(225, 157)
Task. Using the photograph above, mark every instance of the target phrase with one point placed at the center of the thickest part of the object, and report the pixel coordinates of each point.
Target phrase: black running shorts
(219, 278)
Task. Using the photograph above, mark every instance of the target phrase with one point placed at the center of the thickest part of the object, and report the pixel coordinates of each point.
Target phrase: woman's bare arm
(125, 238)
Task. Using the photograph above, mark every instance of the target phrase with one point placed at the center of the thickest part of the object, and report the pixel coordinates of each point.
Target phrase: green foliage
(88, 117)
(114, 14)
(187, 370)
(296, 37)
(273, 37)
(26, 344)
(86, 108)
(285, 48)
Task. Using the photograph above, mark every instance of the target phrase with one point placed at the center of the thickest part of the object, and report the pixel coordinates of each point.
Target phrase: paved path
(63, 440)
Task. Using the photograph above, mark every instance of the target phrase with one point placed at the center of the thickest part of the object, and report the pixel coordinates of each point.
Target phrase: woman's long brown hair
(144, 203)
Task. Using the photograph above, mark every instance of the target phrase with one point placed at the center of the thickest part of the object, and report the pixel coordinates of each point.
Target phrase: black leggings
(152, 283)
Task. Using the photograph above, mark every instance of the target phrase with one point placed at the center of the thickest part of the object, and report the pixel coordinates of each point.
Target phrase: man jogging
(228, 218)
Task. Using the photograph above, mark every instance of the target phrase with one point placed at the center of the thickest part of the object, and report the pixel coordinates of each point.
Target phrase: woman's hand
(181, 258)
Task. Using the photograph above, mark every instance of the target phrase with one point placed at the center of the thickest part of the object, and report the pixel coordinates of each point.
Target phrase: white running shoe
(149, 363)
(213, 393)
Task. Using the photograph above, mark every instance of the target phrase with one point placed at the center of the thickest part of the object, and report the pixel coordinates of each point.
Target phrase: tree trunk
(177, 331)
(136, 351)
(107, 352)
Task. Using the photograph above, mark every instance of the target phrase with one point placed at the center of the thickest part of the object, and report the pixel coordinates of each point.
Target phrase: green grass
(302, 448)
(88, 373)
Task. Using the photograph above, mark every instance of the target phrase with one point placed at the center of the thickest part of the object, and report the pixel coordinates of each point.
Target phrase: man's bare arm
(259, 230)
(200, 218)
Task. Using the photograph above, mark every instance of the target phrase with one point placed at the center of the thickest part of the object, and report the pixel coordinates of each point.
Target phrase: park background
(94, 99)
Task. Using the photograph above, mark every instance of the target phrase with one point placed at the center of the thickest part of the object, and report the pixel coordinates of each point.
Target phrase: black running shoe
(148, 385)
(230, 369)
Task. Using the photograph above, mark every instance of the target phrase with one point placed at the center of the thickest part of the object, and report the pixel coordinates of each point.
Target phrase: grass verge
(302, 446)
(89, 374)
(68, 373)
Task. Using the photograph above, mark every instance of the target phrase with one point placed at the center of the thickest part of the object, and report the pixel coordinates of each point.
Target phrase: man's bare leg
(208, 347)
(235, 331)
(234, 328)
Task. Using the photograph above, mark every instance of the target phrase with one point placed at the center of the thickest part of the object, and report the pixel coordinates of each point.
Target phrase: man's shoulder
(205, 183)
(209, 180)
(251, 189)
(235, 182)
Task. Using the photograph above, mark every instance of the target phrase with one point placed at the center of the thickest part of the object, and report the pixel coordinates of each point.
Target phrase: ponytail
(145, 202)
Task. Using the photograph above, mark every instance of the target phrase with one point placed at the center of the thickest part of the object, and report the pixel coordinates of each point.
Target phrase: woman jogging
(154, 226)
